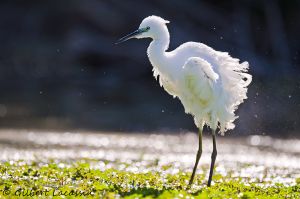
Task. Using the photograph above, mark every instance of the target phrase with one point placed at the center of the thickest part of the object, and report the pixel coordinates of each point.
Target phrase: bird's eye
(147, 28)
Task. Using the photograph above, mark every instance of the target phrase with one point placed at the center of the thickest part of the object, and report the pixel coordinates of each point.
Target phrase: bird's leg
(213, 158)
(199, 153)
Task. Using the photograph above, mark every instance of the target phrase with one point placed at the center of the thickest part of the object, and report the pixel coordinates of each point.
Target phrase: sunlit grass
(82, 179)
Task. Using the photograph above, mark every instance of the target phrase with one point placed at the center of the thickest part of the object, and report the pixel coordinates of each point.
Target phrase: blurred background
(60, 69)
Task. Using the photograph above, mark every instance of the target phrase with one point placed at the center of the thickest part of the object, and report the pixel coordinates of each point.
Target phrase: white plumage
(210, 84)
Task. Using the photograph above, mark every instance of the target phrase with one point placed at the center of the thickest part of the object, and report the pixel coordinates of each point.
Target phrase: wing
(231, 84)
(199, 89)
(233, 75)
(197, 65)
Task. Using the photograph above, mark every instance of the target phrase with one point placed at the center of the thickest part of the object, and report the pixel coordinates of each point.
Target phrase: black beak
(129, 36)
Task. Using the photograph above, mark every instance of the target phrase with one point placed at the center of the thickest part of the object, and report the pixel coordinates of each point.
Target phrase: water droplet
(41, 92)
(290, 96)
(162, 111)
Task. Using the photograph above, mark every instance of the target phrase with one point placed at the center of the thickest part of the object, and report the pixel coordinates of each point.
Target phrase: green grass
(81, 180)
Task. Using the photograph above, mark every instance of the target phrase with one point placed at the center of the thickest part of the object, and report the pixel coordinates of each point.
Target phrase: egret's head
(151, 27)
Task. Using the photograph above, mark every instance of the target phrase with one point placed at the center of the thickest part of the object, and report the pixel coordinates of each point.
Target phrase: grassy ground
(47, 165)
(79, 180)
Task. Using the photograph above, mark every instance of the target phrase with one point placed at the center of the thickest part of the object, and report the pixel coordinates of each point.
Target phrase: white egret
(209, 83)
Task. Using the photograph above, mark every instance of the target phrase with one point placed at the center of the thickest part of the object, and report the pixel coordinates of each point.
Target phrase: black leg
(213, 158)
(199, 153)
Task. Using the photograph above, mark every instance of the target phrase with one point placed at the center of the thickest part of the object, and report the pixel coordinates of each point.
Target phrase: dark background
(60, 69)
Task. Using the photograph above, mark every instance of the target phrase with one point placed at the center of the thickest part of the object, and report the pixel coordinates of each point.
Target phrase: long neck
(157, 50)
